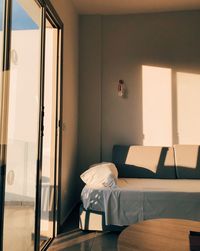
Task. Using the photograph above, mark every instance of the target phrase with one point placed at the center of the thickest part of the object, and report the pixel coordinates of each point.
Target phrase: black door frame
(50, 14)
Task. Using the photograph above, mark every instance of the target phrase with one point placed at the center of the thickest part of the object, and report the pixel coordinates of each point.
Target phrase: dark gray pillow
(187, 158)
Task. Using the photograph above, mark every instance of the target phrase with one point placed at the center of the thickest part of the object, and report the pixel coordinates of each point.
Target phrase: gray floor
(74, 239)
(91, 241)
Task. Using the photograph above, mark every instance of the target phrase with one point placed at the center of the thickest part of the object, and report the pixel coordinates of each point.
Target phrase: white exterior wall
(23, 114)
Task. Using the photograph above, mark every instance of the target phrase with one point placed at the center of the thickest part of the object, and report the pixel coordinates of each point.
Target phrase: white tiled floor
(18, 228)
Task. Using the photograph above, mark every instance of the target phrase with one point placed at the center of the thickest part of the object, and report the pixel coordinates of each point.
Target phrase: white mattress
(135, 200)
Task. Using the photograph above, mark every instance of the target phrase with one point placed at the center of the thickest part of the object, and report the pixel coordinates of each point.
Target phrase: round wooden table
(158, 235)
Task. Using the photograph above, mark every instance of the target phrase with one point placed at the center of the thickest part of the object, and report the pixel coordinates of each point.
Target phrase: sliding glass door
(30, 83)
(23, 126)
(51, 133)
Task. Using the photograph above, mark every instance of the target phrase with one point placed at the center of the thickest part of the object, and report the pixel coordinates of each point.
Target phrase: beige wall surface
(89, 91)
(141, 49)
(69, 192)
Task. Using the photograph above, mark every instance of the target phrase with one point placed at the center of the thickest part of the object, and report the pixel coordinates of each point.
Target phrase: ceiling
(106, 7)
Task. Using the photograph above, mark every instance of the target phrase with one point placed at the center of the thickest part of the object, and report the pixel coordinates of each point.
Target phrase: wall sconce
(121, 88)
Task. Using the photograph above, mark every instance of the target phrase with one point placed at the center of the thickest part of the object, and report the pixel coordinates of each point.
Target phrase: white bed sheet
(135, 200)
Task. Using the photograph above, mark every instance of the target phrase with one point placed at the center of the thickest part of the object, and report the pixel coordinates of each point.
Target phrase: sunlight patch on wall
(188, 107)
(157, 105)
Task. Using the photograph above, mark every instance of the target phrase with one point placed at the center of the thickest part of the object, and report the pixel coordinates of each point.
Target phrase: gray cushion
(187, 159)
(144, 162)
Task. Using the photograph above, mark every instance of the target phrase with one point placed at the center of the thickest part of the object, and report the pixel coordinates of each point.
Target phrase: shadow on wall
(158, 57)
(168, 113)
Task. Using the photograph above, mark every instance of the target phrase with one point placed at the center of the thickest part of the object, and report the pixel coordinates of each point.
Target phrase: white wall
(69, 172)
(89, 91)
(23, 113)
(131, 45)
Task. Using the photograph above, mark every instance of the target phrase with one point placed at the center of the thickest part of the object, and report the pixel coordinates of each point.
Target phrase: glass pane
(48, 167)
(19, 216)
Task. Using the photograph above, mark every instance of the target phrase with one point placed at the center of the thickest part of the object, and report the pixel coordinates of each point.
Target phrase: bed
(136, 199)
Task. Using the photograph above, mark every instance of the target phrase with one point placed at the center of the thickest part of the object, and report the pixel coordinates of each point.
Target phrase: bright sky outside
(20, 19)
